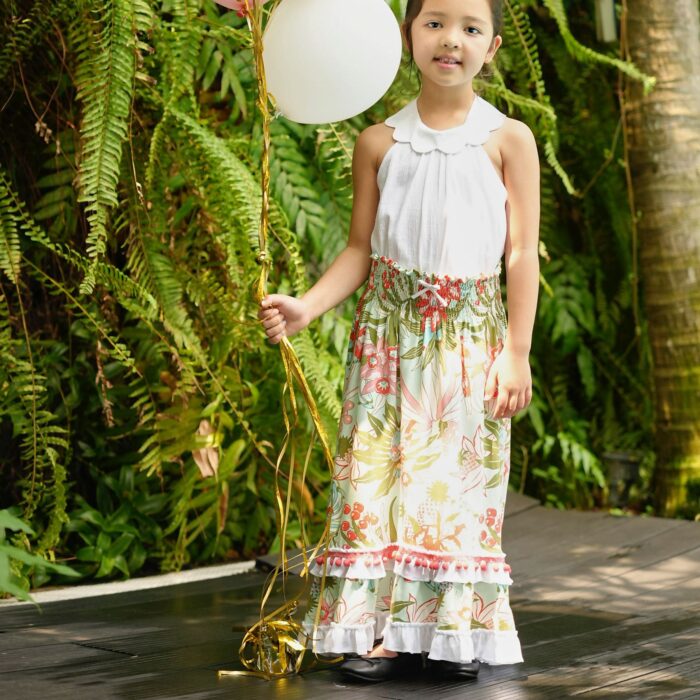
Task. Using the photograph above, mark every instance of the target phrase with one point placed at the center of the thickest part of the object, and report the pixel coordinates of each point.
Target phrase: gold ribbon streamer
(274, 646)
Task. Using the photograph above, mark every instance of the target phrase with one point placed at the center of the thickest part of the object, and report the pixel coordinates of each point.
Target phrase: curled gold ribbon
(275, 645)
(271, 647)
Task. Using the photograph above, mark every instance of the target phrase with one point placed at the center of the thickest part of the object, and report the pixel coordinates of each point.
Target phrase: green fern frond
(315, 371)
(334, 147)
(550, 155)
(244, 197)
(526, 61)
(333, 160)
(144, 16)
(296, 187)
(588, 55)
(549, 224)
(43, 443)
(519, 35)
(495, 88)
(224, 55)
(105, 79)
(116, 281)
(244, 194)
(9, 237)
(170, 292)
(296, 265)
(183, 38)
(57, 207)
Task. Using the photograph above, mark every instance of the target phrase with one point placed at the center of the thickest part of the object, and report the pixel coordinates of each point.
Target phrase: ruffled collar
(482, 118)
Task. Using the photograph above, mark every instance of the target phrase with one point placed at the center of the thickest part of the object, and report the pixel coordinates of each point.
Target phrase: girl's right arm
(284, 315)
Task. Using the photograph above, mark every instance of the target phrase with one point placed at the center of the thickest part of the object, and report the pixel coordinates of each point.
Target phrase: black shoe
(453, 670)
(378, 668)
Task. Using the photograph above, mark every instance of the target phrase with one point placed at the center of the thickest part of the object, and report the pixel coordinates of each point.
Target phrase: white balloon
(328, 60)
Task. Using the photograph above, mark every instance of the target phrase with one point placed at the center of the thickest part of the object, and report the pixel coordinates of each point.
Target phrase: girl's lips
(443, 64)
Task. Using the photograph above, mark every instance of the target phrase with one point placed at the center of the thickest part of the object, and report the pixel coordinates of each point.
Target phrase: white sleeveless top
(442, 205)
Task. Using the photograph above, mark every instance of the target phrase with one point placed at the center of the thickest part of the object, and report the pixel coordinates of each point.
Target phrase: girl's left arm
(521, 174)
(511, 383)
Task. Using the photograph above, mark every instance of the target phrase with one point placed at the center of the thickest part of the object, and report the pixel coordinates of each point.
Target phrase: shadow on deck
(606, 607)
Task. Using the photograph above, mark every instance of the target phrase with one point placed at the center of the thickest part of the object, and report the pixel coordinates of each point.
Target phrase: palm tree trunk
(663, 152)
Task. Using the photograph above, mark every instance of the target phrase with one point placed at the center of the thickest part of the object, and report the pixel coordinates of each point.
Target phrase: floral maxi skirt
(420, 477)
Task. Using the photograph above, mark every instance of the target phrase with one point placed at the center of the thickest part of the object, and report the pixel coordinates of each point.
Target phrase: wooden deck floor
(606, 607)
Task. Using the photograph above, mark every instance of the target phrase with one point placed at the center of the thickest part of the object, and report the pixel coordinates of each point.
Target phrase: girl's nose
(448, 41)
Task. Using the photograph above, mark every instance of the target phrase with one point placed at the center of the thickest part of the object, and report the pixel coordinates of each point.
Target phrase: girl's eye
(435, 22)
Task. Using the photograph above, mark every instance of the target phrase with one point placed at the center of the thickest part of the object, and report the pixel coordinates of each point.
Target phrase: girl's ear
(495, 43)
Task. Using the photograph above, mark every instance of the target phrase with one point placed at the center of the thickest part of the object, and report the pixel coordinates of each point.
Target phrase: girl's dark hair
(413, 8)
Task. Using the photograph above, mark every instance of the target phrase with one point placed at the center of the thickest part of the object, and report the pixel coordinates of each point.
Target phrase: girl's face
(452, 39)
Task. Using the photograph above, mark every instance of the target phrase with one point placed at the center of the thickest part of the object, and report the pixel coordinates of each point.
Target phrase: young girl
(435, 370)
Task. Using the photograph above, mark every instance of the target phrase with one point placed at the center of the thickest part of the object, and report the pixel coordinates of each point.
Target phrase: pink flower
(239, 5)
(379, 368)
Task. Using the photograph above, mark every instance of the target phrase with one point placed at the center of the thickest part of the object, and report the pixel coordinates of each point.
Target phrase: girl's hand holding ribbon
(282, 315)
(509, 384)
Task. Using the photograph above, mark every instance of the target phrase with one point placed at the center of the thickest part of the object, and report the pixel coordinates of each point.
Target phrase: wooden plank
(553, 652)
(22, 686)
(39, 637)
(550, 530)
(658, 571)
(627, 665)
(51, 656)
(112, 606)
(590, 561)
(676, 680)
(629, 550)
(563, 621)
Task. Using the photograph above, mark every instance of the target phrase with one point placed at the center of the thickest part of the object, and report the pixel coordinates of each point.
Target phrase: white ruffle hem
(490, 646)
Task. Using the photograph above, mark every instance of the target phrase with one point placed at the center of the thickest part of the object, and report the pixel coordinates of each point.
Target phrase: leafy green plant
(122, 530)
(19, 559)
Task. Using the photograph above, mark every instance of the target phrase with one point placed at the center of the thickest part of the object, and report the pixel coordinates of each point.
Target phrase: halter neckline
(481, 119)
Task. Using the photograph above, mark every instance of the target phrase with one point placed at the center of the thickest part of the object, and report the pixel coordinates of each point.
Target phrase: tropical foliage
(140, 409)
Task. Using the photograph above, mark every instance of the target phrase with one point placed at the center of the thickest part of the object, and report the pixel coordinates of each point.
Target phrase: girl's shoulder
(514, 135)
(512, 143)
(374, 141)
(511, 146)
